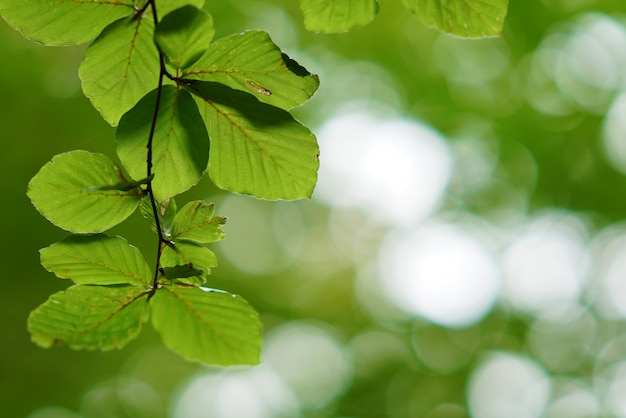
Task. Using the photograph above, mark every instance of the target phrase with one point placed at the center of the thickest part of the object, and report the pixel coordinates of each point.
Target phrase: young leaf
(184, 35)
(65, 191)
(251, 62)
(120, 67)
(90, 317)
(196, 222)
(97, 259)
(186, 252)
(55, 22)
(180, 149)
(332, 16)
(256, 148)
(465, 18)
(166, 211)
(210, 326)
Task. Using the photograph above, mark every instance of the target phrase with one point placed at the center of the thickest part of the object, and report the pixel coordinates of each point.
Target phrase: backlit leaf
(196, 221)
(210, 326)
(466, 18)
(90, 317)
(256, 148)
(65, 191)
(331, 16)
(97, 259)
(180, 145)
(187, 252)
(251, 62)
(167, 6)
(184, 35)
(120, 67)
(166, 211)
(67, 22)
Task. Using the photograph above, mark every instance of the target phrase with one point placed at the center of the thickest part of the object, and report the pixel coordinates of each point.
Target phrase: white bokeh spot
(394, 170)
(545, 264)
(510, 386)
(440, 273)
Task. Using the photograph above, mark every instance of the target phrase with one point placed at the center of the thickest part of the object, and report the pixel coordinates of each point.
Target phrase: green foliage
(252, 63)
(68, 191)
(337, 15)
(465, 18)
(184, 35)
(256, 148)
(196, 221)
(188, 253)
(181, 149)
(212, 326)
(90, 317)
(97, 260)
(54, 22)
(120, 67)
(184, 105)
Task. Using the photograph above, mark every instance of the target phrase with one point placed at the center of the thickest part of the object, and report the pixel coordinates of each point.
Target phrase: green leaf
(186, 252)
(256, 148)
(184, 271)
(184, 35)
(166, 211)
(167, 6)
(120, 67)
(332, 16)
(126, 185)
(210, 326)
(180, 149)
(65, 191)
(251, 62)
(97, 259)
(465, 18)
(67, 22)
(196, 222)
(90, 317)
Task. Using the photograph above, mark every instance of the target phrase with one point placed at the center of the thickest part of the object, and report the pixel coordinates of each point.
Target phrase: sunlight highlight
(610, 264)
(252, 393)
(440, 273)
(577, 402)
(393, 170)
(614, 134)
(506, 385)
(546, 263)
(582, 67)
(304, 366)
(311, 360)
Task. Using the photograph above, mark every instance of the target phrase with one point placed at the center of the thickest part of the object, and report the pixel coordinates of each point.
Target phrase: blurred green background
(464, 254)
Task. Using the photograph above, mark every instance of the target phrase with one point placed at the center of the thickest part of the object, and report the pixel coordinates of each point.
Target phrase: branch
(149, 174)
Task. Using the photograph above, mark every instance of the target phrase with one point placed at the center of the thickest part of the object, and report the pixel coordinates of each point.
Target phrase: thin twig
(155, 211)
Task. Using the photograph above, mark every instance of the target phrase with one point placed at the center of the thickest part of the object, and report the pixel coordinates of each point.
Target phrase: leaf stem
(155, 211)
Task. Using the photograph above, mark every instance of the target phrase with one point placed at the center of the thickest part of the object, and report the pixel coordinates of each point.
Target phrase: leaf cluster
(464, 18)
(184, 105)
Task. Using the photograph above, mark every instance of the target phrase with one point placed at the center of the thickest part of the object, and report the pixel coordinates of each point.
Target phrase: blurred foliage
(531, 129)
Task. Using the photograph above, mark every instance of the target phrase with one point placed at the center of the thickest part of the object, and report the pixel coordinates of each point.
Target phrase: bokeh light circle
(392, 169)
(311, 360)
(439, 272)
(507, 385)
(546, 263)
